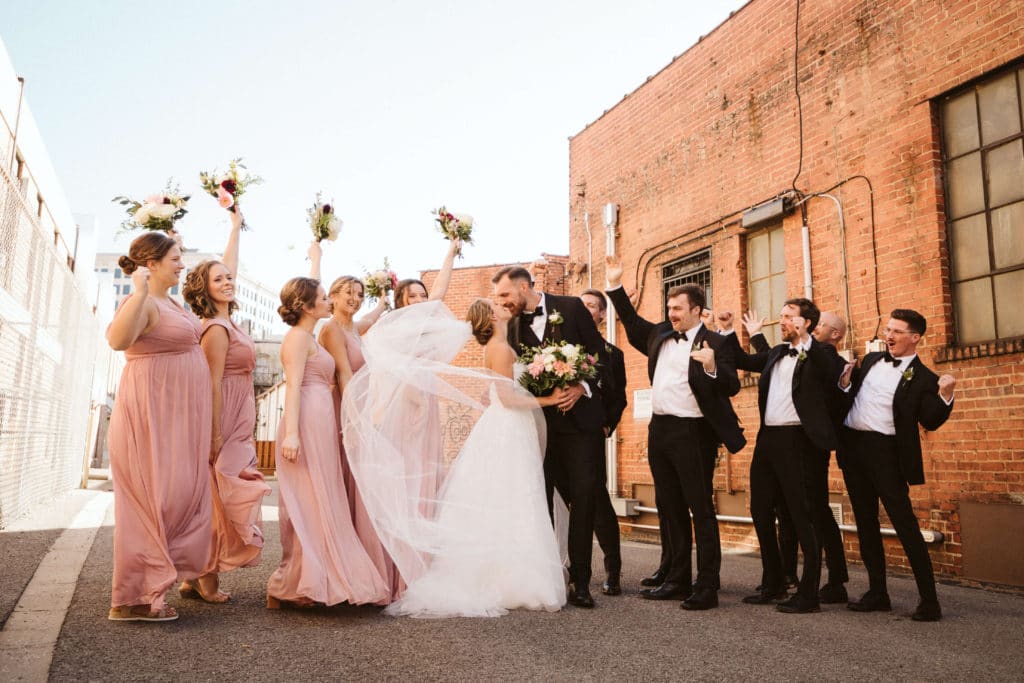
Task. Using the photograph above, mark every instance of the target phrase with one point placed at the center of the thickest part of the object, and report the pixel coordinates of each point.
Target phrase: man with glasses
(880, 453)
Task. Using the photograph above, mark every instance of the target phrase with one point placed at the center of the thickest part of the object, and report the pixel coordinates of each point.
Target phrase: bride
(468, 527)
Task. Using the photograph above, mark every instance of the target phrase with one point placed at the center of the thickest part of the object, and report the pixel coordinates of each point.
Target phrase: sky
(390, 107)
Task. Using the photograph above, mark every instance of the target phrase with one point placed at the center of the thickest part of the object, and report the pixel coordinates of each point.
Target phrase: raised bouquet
(157, 212)
(227, 187)
(454, 226)
(323, 221)
(556, 365)
(380, 283)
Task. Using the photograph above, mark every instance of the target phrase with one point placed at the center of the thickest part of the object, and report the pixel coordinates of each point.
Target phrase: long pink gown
(323, 558)
(364, 526)
(159, 458)
(237, 538)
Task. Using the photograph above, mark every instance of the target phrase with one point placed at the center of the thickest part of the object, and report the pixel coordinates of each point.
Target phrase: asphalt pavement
(980, 638)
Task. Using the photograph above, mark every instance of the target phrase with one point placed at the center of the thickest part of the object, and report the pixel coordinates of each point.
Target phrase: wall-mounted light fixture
(769, 211)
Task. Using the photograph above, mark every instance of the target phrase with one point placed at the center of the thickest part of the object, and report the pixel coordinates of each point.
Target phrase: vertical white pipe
(805, 234)
(611, 445)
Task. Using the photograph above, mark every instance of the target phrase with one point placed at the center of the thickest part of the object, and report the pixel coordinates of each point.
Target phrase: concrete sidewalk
(624, 638)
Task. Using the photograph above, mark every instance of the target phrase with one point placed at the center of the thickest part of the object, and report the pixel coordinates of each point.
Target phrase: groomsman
(692, 378)
(606, 524)
(880, 453)
(829, 330)
(795, 391)
(574, 457)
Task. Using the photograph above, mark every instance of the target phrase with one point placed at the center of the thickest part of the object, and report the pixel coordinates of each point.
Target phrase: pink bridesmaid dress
(159, 443)
(237, 538)
(360, 517)
(323, 558)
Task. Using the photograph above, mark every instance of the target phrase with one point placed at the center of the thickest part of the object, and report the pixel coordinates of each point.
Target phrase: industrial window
(983, 160)
(766, 277)
(695, 268)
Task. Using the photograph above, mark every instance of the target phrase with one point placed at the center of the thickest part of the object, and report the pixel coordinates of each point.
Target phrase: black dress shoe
(655, 579)
(871, 602)
(611, 585)
(927, 610)
(766, 597)
(703, 598)
(791, 581)
(798, 604)
(833, 593)
(580, 597)
(667, 591)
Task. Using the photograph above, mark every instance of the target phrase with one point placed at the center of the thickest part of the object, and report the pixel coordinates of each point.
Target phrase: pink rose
(562, 368)
(536, 368)
(154, 199)
(224, 198)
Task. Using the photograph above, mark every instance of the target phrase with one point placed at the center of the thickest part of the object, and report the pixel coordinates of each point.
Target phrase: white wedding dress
(482, 542)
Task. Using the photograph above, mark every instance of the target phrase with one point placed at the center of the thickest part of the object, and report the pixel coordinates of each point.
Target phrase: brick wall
(717, 131)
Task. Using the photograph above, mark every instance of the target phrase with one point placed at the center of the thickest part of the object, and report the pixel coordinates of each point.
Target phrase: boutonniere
(555, 318)
(908, 374)
(802, 356)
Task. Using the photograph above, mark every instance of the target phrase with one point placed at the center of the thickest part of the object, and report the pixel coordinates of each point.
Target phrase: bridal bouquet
(556, 365)
(380, 282)
(156, 212)
(323, 221)
(454, 226)
(226, 188)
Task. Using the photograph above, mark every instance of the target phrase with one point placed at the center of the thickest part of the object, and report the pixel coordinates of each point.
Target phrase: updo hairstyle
(479, 316)
(297, 295)
(152, 246)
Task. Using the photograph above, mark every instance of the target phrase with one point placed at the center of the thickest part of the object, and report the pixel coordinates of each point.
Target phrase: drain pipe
(805, 238)
(611, 444)
(928, 535)
(590, 251)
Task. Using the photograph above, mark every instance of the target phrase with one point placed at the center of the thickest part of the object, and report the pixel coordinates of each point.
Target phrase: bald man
(831, 329)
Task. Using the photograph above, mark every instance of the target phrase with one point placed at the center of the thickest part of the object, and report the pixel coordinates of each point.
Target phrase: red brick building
(872, 154)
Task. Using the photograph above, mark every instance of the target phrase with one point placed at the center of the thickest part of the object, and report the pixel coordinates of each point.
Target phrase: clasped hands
(565, 398)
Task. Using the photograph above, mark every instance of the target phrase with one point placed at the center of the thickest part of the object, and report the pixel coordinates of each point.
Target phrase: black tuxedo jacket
(915, 402)
(712, 393)
(614, 392)
(577, 327)
(815, 389)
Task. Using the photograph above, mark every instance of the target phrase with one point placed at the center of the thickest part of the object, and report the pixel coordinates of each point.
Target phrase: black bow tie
(793, 351)
(529, 316)
(680, 336)
(889, 359)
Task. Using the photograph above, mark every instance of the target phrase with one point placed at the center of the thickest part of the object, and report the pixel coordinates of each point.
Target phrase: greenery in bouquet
(156, 212)
(227, 187)
(555, 365)
(380, 283)
(454, 226)
(323, 221)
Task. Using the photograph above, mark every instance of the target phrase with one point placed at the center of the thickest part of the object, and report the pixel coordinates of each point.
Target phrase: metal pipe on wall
(611, 446)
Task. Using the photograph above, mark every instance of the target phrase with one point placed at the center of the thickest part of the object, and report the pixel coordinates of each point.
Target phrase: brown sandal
(141, 613)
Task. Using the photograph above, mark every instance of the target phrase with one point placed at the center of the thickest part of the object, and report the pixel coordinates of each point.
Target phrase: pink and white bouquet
(155, 212)
(227, 187)
(323, 220)
(556, 365)
(380, 283)
(454, 226)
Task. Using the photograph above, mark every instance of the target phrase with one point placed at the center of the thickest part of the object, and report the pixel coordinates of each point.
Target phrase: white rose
(142, 213)
(549, 351)
(163, 210)
(464, 219)
(571, 352)
(333, 229)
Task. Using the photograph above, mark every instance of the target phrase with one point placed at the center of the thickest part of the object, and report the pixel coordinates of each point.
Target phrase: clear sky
(391, 107)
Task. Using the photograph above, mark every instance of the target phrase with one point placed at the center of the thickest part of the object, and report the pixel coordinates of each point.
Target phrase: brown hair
(513, 273)
(197, 291)
(808, 310)
(597, 294)
(152, 246)
(694, 294)
(298, 294)
(479, 316)
(402, 293)
(914, 320)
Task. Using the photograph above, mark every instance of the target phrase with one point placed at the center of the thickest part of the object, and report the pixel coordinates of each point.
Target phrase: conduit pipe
(611, 445)
(928, 535)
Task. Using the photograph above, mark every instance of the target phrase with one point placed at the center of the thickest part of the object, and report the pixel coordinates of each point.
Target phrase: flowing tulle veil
(407, 416)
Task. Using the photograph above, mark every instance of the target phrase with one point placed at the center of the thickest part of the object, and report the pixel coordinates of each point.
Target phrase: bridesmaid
(159, 437)
(323, 560)
(238, 487)
(413, 291)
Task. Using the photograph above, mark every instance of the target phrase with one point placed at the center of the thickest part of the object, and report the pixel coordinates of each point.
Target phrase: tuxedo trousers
(779, 471)
(682, 452)
(573, 466)
(606, 524)
(872, 473)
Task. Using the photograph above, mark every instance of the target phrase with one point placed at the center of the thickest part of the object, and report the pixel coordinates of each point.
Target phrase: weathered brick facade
(717, 131)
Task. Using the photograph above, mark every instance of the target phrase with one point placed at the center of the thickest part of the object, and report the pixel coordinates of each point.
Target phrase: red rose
(229, 186)
(167, 200)
(327, 209)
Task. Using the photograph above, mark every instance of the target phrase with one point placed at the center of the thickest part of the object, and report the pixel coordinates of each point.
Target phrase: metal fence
(48, 337)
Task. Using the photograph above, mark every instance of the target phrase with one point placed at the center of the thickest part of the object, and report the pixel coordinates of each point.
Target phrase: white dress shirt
(540, 322)
(872, 407)
(780, 411)
(670, 390)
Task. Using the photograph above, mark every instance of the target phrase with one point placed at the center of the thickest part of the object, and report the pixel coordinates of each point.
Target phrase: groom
(575, 445)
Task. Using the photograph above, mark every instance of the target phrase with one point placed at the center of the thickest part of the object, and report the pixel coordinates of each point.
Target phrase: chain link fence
(48, 337)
